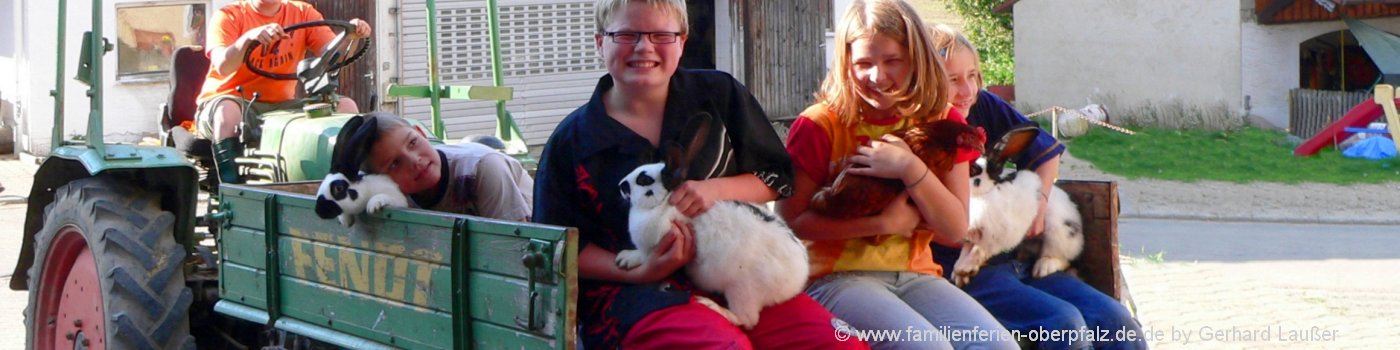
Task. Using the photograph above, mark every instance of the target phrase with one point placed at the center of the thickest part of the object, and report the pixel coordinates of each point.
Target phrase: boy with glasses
(641, 105)
(632, 38)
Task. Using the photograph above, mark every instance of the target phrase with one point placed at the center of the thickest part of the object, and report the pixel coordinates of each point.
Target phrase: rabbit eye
(645, 180)
(338, 189)
(976, 170)
(649, 193)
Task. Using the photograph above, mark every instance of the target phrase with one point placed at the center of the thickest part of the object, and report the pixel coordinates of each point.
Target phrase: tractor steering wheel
(333, 56)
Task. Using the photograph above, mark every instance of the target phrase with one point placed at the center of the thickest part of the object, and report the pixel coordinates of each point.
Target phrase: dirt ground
(1273, 202)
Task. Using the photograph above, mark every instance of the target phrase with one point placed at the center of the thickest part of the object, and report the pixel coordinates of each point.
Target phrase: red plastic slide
(1364, 113)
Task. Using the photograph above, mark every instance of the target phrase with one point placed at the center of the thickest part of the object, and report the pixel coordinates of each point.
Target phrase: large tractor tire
(107, 272)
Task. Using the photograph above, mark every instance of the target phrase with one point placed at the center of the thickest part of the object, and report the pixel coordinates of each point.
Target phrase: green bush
(992, 33)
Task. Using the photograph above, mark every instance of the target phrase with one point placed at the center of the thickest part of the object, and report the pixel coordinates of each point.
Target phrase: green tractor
(278, 145)
(112, 257)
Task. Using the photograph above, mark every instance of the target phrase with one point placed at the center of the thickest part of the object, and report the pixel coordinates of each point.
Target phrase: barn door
(358, 80)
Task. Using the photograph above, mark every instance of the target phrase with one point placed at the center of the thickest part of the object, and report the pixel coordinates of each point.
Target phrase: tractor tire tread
(139, 263)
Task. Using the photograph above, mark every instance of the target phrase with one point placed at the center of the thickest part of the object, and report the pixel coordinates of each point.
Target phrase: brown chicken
(936, 143)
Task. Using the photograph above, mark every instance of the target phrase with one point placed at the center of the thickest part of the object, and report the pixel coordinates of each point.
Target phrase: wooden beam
(1267, 14)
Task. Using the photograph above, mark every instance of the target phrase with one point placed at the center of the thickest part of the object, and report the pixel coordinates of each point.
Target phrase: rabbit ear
(676, 168)
(353, 144)
(701, 123)
(1013, 142)
(1018, 139)
(340, 154)
(679, 159)
(364, 141)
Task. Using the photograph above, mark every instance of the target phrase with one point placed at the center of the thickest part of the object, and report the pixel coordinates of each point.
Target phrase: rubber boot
(224, 153)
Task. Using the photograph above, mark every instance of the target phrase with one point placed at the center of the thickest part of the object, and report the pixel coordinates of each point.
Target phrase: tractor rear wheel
(107, 272)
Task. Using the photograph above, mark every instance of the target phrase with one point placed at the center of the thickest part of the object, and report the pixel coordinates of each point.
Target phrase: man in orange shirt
(234, 30)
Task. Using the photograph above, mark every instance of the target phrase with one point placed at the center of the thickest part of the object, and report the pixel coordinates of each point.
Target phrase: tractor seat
(188, 67)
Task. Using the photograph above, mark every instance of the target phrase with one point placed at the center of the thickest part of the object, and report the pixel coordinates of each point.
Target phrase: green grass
(1248, 155)
(1156, 258)
(1142, 258)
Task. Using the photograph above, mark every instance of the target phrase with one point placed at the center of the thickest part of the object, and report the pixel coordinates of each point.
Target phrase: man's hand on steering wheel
(362, 29)
(337, 54)
(268, 34)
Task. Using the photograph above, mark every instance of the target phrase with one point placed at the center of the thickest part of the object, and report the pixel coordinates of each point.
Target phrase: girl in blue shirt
(1058, 302)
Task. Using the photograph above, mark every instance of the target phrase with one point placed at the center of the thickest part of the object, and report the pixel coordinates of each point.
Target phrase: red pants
(799, 323)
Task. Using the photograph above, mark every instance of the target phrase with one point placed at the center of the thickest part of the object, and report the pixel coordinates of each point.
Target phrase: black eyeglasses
(635, 37)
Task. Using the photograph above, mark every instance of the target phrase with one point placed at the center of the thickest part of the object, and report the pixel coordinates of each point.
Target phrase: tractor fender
(158, 169)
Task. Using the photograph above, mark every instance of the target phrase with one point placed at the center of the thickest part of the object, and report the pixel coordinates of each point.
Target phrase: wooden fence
(1310, 111)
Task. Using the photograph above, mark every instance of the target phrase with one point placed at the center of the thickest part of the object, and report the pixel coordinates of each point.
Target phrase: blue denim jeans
(1056, 302)
(922, 311)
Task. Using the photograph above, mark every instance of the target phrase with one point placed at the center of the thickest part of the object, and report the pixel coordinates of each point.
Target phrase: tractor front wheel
(107, 272)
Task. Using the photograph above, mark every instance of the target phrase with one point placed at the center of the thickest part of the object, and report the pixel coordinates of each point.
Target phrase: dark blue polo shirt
(997, 117)
(589, 153)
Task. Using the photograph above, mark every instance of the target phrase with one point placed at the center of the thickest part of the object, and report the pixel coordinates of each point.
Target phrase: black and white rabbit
(1003, 207)
(347, 191)
(742, 250)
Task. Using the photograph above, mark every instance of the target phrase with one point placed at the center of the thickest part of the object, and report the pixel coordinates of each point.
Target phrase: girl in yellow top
(886, 76)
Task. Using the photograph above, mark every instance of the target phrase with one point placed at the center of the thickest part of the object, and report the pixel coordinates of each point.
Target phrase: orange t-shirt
(235, 19)
(819, 143)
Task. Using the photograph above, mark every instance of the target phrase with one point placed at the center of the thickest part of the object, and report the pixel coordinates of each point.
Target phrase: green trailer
(404, 278)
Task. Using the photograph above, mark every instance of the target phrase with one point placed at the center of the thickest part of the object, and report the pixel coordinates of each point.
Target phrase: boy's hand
(676, 249)
(693, 198)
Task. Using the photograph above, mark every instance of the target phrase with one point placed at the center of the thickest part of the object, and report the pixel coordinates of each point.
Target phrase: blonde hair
(947, 41)
(924, 97)
(604, 10)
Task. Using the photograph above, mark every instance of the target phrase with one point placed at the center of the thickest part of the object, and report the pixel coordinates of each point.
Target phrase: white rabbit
(1003, 207)
(345, 196)
(741, 249)
(347, 191)
(1063, 239)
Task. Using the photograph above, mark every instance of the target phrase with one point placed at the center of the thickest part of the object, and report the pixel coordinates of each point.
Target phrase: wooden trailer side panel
(1098, 206)
(403, 278)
